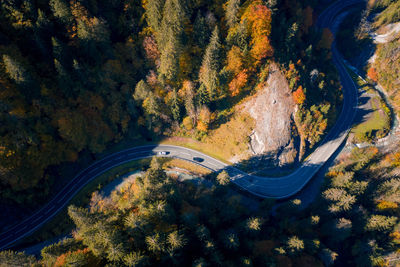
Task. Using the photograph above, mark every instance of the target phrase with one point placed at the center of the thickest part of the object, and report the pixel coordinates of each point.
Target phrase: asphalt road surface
(278, 188)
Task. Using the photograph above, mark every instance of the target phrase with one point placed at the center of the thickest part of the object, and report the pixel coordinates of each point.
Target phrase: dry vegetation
(229, 140)
(187, 166)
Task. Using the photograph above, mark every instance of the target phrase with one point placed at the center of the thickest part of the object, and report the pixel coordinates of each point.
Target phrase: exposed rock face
(273, 109)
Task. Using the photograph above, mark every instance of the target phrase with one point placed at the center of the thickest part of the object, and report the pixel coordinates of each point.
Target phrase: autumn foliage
(238, 83)
(259, 18)
(235, 60)
(372, 74)
(299, 96)
(326, 39)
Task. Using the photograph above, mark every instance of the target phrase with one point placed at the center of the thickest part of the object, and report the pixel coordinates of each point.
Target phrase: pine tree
(15, 70)
(154, 243)
(61, 10)
(211, 64)
(201, 31)
(135, 259)
(169, 40)
(169, 60)
(154, 14)
(81, 217)
(223, 178)
(295, 245)
(231, 12)
(254, 224)
(176, 240)
(175, 107)
(115, 252)
(11, 258)
(59, 51)
(142, 91)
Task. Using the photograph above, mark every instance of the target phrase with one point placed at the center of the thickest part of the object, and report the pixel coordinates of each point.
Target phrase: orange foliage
(261, 48)
(78, 10)
(235, 61)
(60, 261)
(393, 159)
(299, 96)
(238, 82)
(372, 74)
(201, 126)
(259, 18)
(326, 39)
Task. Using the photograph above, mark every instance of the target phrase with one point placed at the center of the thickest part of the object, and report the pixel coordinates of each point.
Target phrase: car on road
(198, 159)
(163, 153)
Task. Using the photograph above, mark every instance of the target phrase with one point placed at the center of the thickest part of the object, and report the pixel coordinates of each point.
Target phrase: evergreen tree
(169, 60)
(223, 178)
(211, 64)
(135, 259)
(61, 10)
(142, 91)
(15, 70)
(201, 31)
(231, 12)
(175, 106)
(17, 259)
(175, 240)
(295, 245)
(154, 14)
(169, 40)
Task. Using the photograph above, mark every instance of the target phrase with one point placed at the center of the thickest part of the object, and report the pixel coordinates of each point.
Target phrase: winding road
(263, 187)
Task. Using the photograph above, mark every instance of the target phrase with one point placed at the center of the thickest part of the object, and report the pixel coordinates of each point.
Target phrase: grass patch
(378, 123)
(183, 164)
(61, 224)
(229, 140)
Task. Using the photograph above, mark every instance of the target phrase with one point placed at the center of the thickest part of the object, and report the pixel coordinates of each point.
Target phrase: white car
(162, 153)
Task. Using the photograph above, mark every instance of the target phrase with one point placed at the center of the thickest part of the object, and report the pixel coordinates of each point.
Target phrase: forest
(80, 77)
(156, 220)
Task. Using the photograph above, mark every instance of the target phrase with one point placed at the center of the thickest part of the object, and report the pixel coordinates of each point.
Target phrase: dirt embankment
(273, 109)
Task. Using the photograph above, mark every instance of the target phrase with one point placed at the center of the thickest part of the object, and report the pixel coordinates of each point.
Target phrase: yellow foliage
(187, 123)
(235, 61)
(201, 126)
(387, 205)
(395, 235)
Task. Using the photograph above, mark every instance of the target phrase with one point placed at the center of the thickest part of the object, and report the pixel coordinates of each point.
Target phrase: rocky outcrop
(273, 110)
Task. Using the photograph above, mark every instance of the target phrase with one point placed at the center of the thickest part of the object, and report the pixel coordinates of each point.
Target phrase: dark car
(198, 159)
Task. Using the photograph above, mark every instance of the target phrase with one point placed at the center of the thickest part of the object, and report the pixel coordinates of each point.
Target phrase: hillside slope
(273, 110)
